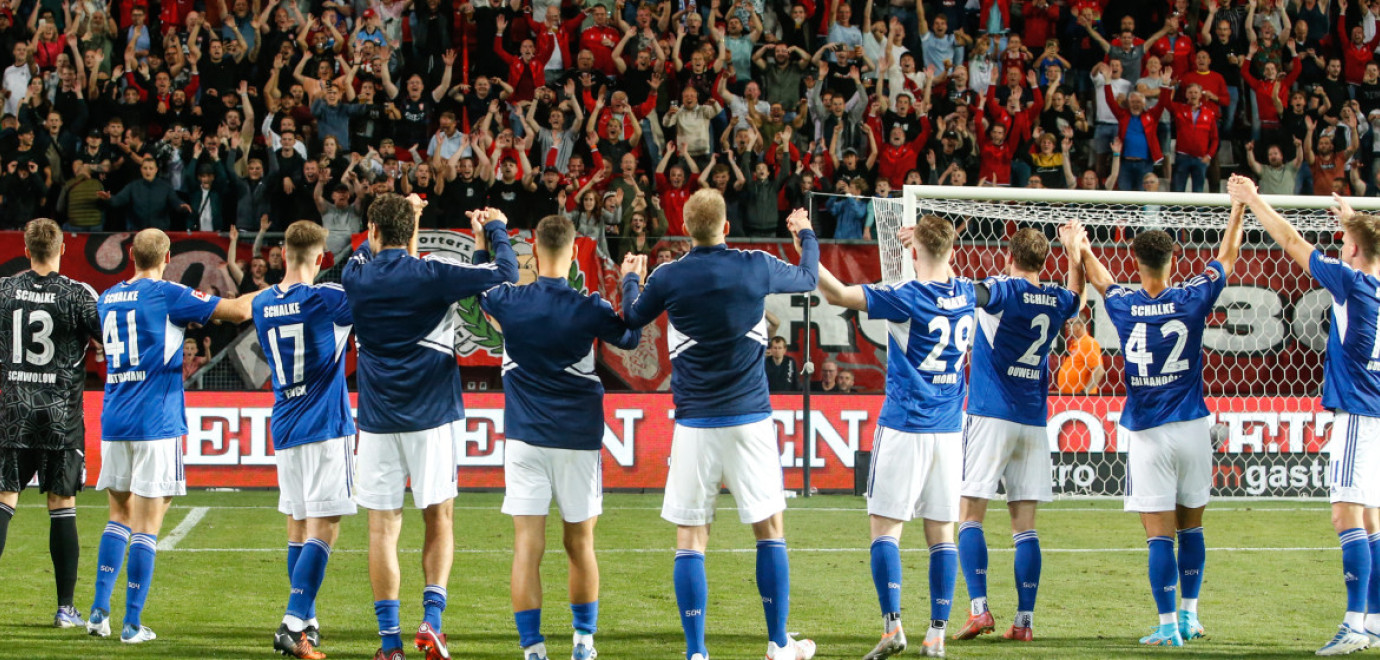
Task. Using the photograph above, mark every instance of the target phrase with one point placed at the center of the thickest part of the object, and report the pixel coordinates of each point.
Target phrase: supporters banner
(1266, 337)
(1265, 445)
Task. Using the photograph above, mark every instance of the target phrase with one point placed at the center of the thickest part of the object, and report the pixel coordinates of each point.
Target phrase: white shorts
(148, 468)
(532, 475)
(998, 450)
(388, 460)
(317, 480)
(915, 475)
(745, 458)
(1353, 459)
(1169, 465)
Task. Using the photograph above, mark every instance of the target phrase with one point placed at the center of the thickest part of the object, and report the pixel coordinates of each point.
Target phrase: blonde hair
(935, 236)
(150, 248)
(1365, 231)
(705, 213)
(43, 238)
(302, 239)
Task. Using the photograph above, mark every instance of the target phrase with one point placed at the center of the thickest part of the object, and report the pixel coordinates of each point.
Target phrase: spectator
(1271, 93)
(828, 378)
(78, 201)
(1277, 177)
(1326, 163)
(1140, 140)
(691, 121)
(1081, 370)
(846, 385)
(1195, 124)
(150, 200)
(342, 218)
(782, 374)
(192, 359)
(1112, 90)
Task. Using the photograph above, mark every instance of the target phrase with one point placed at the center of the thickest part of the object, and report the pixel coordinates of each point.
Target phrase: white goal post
(1262, 350)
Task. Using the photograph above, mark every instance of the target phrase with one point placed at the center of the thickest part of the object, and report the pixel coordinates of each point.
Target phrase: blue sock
(774, 585)
(433, 604)
(1192, 559)
(110, 558)
(143, 551)
(308, 573)
(295, 553)
(529, 627)
(585, 617)
(1164, 573)
(886, 574)
(972, 556)
(943, 575)
(1373, 595)
(1028, 563)
(390, 631)
(1356, 567)
(692, 597)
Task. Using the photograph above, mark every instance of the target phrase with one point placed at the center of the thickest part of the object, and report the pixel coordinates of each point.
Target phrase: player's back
(1351, 371)
(1162, 343)
(715, 302)
(930, 328)
(304, 331)
(552, 395)
(407, 373)
(46, 323)
(143, 324)
(1009, 378)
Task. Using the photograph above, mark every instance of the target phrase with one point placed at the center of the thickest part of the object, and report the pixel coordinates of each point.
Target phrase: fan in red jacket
(553, 36)
(1195, 124)
(995, 153)
(675, 188)
(1017, 122)
(896, 156)
(1138, 131)
(600, 39)
(1272, 93)
(1356, 51)
(527, 71)
(1211, 83)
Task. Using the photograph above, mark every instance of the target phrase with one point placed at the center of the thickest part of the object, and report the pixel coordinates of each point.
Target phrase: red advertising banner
(230, 443)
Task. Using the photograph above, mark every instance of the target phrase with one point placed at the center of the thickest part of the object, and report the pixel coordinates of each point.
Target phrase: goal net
(1263, 348)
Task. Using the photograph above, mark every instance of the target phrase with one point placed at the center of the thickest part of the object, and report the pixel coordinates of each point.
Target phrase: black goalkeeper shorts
(61, 472)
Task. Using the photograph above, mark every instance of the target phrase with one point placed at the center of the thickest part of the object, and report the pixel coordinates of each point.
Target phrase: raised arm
(1244, 191)
(1072, 236)
(1093, 271)
(1230, 250)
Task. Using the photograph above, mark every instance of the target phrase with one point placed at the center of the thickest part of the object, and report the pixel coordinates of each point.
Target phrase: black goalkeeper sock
(6, 512)
(66, 551)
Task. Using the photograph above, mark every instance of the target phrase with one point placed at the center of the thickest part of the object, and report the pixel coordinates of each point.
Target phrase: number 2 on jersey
(1138, 350)
(110, 336)
(294, 333)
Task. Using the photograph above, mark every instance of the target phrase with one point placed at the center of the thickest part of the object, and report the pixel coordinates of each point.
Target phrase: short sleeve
(886, 303)
(1068, 302)
(997, 292)
(1335, 276)
(186, 305)
(337, 304)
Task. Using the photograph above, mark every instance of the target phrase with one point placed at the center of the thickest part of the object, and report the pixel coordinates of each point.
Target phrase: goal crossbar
(1057, 196)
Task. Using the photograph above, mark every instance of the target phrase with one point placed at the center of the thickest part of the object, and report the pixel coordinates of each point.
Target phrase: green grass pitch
(1272, 589)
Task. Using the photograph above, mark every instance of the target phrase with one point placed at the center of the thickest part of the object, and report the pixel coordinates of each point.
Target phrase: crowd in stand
(212, 114)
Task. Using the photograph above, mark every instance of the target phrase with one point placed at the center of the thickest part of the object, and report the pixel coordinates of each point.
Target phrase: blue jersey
(406, 371)
(1351, 372)
(930, 328)
(551, 395)
(714, 299)
(1009, 378)
(303, 332)
(1162, 343)
(142, 326)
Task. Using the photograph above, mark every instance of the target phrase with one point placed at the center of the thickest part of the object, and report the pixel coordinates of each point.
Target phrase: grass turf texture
(1276, 594)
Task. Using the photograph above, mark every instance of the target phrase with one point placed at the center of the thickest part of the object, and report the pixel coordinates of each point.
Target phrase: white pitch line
(183, 528)
(616, 551)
